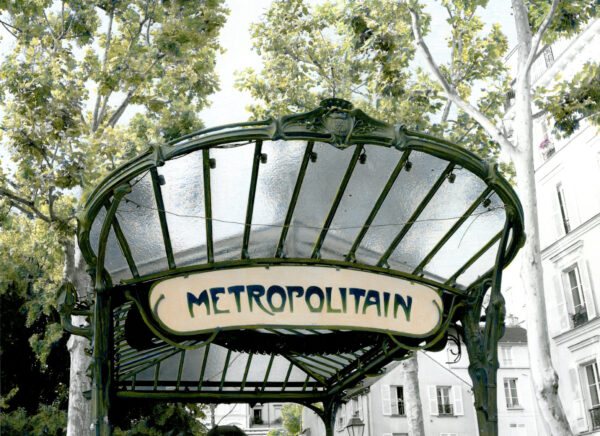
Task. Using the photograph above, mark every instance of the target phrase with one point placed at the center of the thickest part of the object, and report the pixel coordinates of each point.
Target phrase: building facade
(446, 396)
(254, 420)
(567, 173)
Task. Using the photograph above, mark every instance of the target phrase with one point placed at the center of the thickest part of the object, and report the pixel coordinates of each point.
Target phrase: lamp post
(355, 427)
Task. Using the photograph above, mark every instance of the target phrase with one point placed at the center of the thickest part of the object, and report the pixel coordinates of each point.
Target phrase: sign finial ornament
(338, 120)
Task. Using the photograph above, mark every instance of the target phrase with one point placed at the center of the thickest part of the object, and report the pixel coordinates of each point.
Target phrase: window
(562, 204)
(573, 278)
(392, 398)
(257, 416)
(574, 296)
(445, 400)
(400, 399)
(593, 389)
(548, 56)
(510, 392)
(506, 358)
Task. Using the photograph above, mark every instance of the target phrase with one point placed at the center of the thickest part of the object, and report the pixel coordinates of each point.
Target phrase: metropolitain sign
(295, 297)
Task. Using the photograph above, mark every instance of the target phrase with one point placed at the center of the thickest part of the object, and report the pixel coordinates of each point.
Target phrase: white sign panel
(295, 297)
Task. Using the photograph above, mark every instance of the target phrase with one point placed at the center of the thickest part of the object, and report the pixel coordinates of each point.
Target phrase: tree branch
(95, 117)
(20, 203)
(7, 25)
(117, 114)
(537, 38)
(449, 91)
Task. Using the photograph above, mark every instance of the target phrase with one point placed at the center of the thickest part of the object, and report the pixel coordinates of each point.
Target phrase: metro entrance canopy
(287, 259)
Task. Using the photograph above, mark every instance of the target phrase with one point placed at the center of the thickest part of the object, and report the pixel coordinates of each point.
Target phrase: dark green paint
(328, 389)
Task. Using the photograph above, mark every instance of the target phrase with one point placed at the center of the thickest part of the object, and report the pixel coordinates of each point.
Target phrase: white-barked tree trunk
(520, 151)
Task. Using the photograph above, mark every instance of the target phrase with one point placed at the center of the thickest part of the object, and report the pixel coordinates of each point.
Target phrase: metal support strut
(482, 343)
(327, 413)
(102, 334)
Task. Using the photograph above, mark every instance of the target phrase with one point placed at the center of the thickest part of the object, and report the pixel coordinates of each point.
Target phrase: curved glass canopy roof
(331, 187)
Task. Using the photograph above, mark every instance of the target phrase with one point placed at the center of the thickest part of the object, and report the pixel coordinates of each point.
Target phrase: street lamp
(355, 427)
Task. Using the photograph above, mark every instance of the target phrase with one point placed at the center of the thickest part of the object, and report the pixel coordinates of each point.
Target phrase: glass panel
(214, 367)
(96, 228)
(192, 365)
(363, 190)
(403, 199)
(480, 266)
(443, 210)
(139, 221)
(235, 370)
(115, 262)
(320, 185)
(183, 196)
(274, 188)
(471, 236)
(230, 183)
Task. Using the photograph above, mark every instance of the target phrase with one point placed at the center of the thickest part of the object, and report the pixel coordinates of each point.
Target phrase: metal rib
(207, 205)
(124, 246)
(160, 205)
(415, 215)
(294, 200)
(377, 206)
(452, 230)
(251, 195)
(336, 202)
(476, 256)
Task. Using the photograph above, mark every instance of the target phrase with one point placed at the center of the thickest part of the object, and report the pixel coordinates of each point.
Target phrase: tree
(292, 421)
(74, 71)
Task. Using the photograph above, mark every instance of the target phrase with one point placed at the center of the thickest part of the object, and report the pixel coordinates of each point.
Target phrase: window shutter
(458, 402)
(386, 406)
(433, 404)
(560, 307)
(586, 282)
(578, 412)
(394, 400)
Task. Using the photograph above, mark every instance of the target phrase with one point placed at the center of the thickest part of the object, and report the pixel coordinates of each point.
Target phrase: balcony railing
(595, 415)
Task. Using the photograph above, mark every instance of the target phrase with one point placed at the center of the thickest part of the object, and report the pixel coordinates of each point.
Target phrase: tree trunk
(412, 399)
(545, 379)
(79, 409)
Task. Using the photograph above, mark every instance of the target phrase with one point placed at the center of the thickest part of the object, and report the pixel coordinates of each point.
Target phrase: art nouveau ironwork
(330, 190)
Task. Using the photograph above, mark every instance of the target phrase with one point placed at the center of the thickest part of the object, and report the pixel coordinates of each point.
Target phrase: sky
(228, 105)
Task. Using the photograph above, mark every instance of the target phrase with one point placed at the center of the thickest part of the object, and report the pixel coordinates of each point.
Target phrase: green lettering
(236, 291)
(372, 299)
(358, 293)
(214, 295)
(314, 290)
(406, 305)
(201, 299)
(254, 293)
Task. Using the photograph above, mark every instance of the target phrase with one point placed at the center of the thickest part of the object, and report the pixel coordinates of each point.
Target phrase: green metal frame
(116, 364)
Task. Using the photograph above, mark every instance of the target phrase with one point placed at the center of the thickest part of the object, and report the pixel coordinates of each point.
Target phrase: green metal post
(102, 336)
(482, 344)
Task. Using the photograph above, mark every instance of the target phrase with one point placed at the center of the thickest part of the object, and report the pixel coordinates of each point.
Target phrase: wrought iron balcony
(595, 415)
